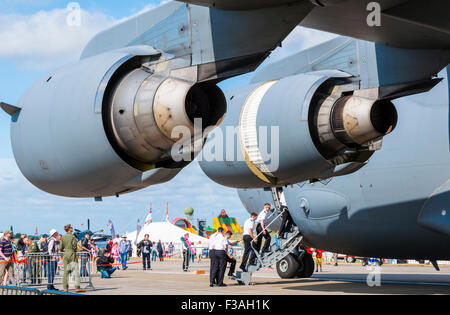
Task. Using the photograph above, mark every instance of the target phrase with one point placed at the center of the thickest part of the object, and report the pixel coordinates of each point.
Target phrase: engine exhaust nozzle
(357, 120)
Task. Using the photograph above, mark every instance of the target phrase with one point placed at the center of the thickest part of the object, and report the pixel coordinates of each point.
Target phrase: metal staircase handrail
(258, 256)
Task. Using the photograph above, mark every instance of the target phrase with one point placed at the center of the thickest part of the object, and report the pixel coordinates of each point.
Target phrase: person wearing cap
(53, 258)
(6, 263)
(69, 247)
(124, 247)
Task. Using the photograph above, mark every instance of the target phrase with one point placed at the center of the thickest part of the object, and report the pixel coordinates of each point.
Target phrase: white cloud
(44, 39)
(151, 6)
(300, 38)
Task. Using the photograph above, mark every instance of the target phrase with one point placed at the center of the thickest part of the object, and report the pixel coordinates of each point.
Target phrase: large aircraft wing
(413, 24)
(240, 4)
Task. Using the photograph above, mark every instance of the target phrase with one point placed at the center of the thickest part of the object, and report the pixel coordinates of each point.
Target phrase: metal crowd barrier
(6, 290)
(41, 269)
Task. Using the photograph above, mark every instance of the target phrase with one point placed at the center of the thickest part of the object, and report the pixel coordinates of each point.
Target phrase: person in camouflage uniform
(33, 260)
(69, 247)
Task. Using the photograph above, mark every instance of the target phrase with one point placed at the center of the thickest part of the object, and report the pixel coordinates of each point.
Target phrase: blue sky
(34, 41)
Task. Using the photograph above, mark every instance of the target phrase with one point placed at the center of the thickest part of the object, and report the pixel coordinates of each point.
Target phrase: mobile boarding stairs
(278, 251)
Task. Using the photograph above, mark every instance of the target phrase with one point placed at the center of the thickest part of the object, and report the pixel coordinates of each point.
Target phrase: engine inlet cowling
(303, 127)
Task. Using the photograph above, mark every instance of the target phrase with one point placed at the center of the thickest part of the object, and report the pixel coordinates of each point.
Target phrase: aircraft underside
(356, 129)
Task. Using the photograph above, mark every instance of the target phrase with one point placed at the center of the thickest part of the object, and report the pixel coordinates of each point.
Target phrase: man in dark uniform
(212, 257)
(287, 221)
(218, 246)
(261, 233)
(248, 239)
(229, 254)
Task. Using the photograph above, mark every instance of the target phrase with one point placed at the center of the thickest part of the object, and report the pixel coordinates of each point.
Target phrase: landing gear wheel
(287, 267)
(306, 266)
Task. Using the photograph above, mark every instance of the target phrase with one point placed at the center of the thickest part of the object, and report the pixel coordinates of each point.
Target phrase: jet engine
(104, 126)
(306, 127)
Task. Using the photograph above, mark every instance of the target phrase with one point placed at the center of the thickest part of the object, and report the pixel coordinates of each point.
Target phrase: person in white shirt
(219, 245)
(212, 257)
(248, 239)
(261, 232)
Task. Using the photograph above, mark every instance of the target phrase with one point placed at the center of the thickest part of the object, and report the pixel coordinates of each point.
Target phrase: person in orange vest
(319, 255)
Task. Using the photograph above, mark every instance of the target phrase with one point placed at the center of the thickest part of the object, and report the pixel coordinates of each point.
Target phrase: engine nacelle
(326, 3)
(103, 126)
(304, 127)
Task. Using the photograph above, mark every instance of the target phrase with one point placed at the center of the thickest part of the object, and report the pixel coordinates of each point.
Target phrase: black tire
(287, 267)
(307, 265)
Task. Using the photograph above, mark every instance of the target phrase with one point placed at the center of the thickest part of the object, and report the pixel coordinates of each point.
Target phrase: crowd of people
(44, 256)
(63, 252)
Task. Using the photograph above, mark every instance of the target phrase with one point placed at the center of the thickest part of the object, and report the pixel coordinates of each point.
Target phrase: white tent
(1, 236)
(167, 233)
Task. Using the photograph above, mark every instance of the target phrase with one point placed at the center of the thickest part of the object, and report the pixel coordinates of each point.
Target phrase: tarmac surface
(167, 278)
